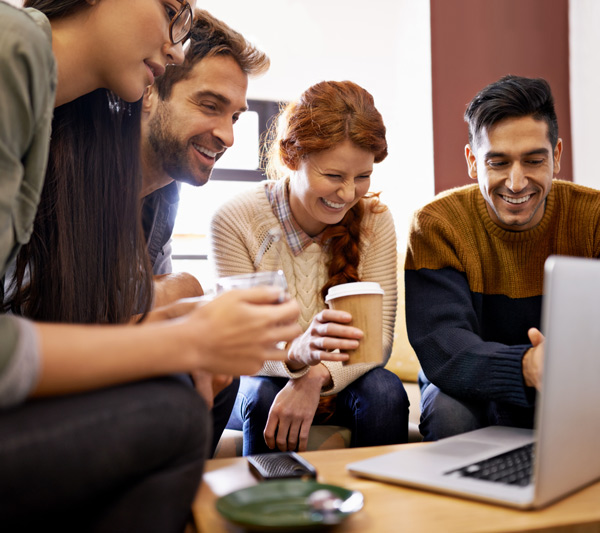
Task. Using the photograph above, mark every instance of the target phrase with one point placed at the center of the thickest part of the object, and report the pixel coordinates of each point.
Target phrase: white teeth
(332, 204)
(521, 200)
(205, 151)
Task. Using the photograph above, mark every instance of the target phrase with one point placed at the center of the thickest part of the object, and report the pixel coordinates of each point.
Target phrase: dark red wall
(475, 42)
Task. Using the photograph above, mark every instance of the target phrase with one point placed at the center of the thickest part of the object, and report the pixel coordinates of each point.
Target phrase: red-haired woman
(320, 165)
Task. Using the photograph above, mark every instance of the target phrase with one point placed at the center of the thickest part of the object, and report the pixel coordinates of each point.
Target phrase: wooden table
(391, 508)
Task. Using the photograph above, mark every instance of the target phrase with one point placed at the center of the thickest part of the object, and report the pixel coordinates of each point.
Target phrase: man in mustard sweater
(475, 259)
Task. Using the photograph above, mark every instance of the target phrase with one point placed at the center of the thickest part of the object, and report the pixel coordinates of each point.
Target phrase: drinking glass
(272, 278)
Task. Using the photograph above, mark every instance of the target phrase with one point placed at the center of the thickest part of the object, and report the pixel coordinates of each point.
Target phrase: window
(238, 170)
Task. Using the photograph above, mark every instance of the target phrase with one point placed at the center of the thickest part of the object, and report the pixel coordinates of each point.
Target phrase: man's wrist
(526, 368)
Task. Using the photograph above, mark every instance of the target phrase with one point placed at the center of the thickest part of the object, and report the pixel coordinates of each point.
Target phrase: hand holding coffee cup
(328, 337)
(364, 301)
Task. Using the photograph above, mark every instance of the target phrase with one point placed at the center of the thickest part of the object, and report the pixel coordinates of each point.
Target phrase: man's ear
(471, 162)
(557, 154)
(150, 97)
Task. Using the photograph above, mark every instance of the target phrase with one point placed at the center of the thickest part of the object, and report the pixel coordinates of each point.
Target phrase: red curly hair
(327, 114)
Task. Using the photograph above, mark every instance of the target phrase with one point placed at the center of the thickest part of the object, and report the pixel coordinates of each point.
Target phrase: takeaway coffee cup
(364, 301)
(274, 278)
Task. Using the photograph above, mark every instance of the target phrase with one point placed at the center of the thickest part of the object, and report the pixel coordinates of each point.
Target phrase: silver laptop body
(567, 431)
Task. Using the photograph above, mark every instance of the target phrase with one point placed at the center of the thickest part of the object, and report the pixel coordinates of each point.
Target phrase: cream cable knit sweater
(239, 228)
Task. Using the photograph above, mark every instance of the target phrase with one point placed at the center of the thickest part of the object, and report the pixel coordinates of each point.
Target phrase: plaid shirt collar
(279, 198)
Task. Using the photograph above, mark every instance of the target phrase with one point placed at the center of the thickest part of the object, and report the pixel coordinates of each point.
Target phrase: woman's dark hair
(327, 114)
(86, 261)
(56, 8)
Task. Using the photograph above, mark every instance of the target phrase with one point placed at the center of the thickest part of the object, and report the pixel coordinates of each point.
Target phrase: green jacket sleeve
(27, 93)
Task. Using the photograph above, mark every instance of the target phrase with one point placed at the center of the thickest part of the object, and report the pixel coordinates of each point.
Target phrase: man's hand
(293, 411)
(209, 385)
(326, 332)
(171, 287)
(175, 309)
(533, 360)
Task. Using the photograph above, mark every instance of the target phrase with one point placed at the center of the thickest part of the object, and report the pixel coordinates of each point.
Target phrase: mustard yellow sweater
(473, 289)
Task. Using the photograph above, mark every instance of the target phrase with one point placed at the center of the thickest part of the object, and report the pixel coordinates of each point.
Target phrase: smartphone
(281, 465)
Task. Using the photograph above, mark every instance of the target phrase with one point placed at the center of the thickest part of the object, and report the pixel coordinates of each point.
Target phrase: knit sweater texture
(474, 289)
(239, 228)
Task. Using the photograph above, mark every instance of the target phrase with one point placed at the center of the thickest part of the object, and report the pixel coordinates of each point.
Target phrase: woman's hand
(294, 409)
(326, 333)
(234, 334)
(238, 331)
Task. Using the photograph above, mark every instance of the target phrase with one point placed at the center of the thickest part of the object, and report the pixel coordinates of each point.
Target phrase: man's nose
(517, 180)
(224, 132)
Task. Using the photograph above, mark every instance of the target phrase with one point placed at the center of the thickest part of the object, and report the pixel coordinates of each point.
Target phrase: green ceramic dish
(284, 505)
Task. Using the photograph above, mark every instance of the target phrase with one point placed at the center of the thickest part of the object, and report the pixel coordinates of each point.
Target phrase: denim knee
(375, 408)
(383, 389)
(443, 416)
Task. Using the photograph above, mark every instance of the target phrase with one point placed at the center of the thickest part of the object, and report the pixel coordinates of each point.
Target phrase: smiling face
(130, 42)
(328, 184)
(190, 131)
(514, 164)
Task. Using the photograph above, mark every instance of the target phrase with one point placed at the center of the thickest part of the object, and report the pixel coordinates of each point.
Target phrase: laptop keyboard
(512, 468)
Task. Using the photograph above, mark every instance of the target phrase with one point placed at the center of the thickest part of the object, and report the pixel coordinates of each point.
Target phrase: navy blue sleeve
(445, 327)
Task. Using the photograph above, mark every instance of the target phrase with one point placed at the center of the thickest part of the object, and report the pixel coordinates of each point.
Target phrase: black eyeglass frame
(185, 7)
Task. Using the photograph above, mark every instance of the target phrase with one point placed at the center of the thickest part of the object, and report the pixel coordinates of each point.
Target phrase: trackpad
(459, 448)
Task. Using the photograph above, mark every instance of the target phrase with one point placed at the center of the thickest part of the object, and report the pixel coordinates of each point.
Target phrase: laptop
(567, 419)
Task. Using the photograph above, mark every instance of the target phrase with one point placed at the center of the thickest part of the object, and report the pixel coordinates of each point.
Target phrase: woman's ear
(289, 156)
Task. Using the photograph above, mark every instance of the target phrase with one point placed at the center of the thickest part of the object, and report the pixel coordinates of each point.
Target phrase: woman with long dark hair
(320, 162)
(91, 437)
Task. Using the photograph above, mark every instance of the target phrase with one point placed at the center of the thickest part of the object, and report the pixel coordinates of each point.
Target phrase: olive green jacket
(27, 93)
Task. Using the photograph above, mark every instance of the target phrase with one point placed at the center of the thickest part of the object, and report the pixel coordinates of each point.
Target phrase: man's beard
(171, 153)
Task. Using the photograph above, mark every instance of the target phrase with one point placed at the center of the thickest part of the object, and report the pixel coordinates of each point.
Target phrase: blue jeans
(374, 408)
(120, 459)
(444, 416)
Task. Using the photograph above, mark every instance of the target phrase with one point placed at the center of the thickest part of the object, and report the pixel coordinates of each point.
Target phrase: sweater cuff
(280, 369)
(295, 374)
(508, 383)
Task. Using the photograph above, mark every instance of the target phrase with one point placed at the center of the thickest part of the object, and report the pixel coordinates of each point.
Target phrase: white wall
(584, 44)
(383, 45)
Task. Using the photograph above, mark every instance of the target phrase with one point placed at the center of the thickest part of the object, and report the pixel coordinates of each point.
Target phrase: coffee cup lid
(350, 289)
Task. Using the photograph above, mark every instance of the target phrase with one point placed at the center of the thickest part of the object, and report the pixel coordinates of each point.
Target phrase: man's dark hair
(212, 37)
(512, 97)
